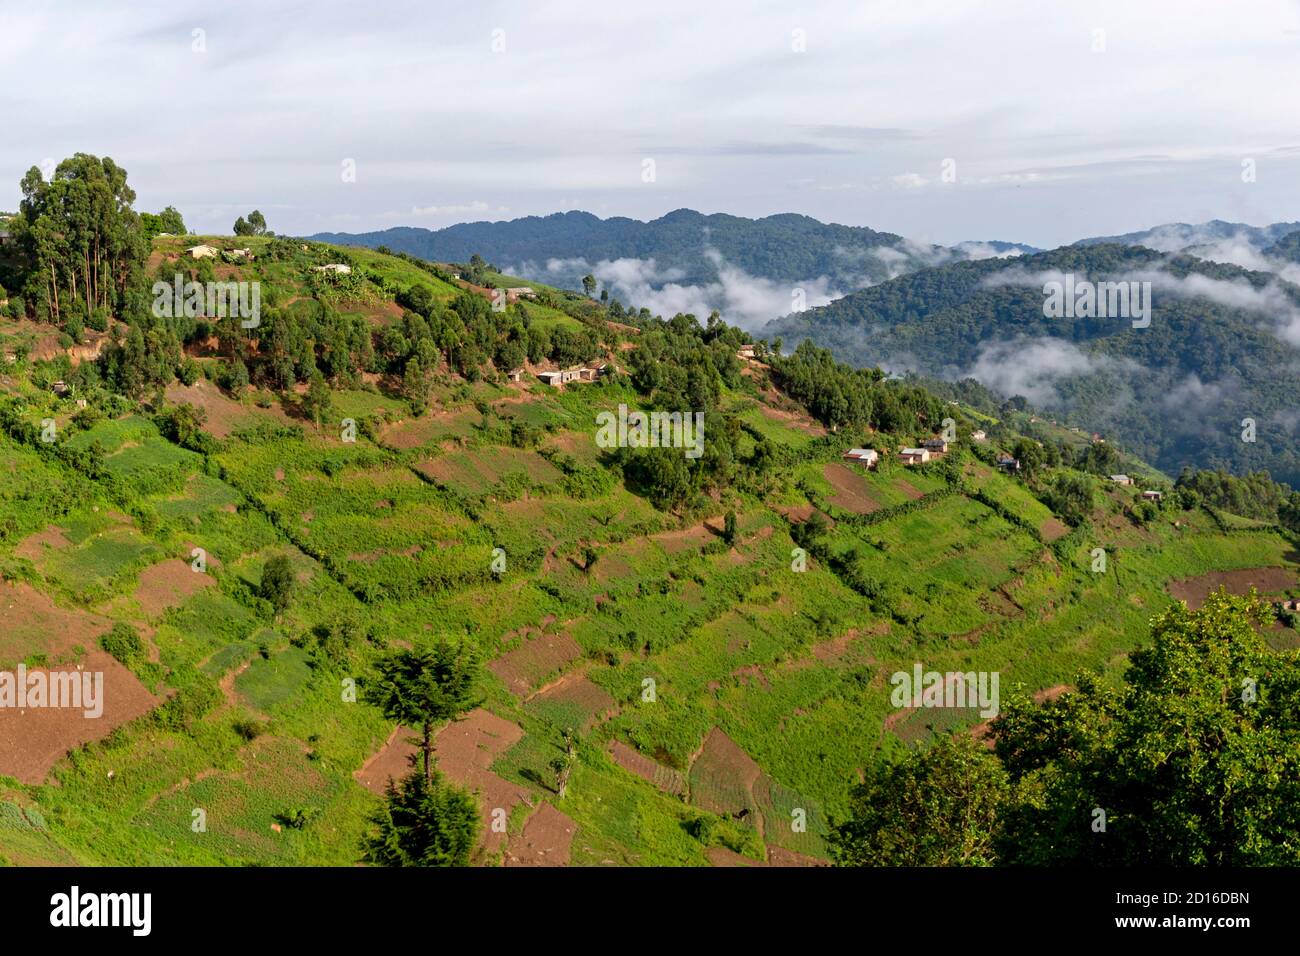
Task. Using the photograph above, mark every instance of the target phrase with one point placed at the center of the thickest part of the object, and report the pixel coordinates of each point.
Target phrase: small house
(203, 252)
(563, 377)
(979, 435)
(336, 267)
(5, 238)
(935, 444)
(1290, 604)
(586, 374)
(1121, 479)
(746, 352)
(81, 403)
(60, 387)
(1155, 496)
(515, 375)
(521, 292)
(914, 456)
(1007, 463)
(866, 456)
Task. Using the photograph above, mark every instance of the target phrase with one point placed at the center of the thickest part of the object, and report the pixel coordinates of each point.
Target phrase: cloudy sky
(1060, 119)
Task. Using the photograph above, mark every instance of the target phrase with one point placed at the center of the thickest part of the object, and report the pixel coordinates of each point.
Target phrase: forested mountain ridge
(787, 247)
(1220, 348)
(1183, 236)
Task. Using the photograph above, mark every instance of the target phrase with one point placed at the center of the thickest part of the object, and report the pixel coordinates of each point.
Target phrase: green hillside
(1220, 348)
(769, 684)
(669, 658)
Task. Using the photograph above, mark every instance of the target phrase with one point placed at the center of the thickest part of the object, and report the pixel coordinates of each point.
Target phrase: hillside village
(677, 662)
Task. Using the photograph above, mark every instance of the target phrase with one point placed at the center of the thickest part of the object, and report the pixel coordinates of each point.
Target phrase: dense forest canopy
(1166, 770)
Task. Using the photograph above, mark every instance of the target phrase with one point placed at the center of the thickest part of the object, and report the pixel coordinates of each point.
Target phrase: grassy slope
(732, 638)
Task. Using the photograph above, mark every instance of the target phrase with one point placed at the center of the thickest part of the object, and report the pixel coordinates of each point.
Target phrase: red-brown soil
(851, 490)
(666, 779)
(545, 840)
(1265, 580)
(33, 740)
(168, 584)
(533, 661)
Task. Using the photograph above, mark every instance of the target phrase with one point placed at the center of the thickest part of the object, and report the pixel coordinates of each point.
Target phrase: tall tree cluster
(84, 244)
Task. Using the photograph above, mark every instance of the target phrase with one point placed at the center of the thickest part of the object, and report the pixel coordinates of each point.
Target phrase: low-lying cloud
(742, 299)
(1032, 367)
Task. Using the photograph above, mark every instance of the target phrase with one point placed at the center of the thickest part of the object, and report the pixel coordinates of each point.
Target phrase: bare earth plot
(726, 780)
(851, 491)
(33, 740)
(30, 623)
(465, 749)
(667, 779)
(575, 701)
(533, 661)
(1265, 580)
(776, 856)
(168, 584)
(545, 841)
(391, 761)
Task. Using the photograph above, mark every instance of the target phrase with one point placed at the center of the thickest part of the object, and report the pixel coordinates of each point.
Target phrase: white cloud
(566, 111)
(909, 180)
(1032, 367)
(454, 210)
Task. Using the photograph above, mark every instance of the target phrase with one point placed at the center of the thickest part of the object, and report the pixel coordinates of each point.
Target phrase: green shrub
(123, 643)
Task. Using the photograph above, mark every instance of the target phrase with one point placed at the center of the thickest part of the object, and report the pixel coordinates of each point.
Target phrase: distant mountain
(1183, 237)
(1223, 345)
(785, 247)
(752, 270)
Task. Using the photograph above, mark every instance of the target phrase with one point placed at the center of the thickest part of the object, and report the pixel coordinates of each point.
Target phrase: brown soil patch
(391, 761)
(898, 716)
(852, 493)
(723, 776)
(1051, 693)
(223, 412)
(545, 841)
(752, 674)
(33, 740)
(798, 514)
(32, 623)
(465, 749)
(721, 856)
(909, 489)
(780, 856)
(666, 779)
(576, 691)
(167, 585)
(532, 662)
(1265, 580)
(33, 548)
(796, 420)
(828, 652)
(1052, 529)
(686, 539)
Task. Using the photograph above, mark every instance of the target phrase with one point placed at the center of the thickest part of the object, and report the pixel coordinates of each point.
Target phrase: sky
(1022, 120)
